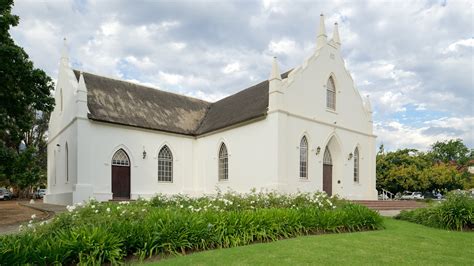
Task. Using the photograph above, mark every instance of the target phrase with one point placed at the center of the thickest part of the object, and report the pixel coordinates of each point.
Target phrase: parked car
(7, 195)
(39, 194)
(412, 196)
(1, 195)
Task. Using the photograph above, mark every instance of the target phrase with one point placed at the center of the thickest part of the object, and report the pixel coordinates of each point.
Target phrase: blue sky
(414, 58)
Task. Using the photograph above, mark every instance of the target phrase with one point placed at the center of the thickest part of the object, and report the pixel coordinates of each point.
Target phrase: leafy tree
(401, 170)
(441, 176)
(442, 168)
(452, 150)
(25, 104)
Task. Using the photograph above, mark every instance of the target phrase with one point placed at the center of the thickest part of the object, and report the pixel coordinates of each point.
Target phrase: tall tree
(452, 151)
(25, 104)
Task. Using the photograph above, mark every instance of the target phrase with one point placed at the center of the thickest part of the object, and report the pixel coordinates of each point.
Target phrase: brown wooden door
(121, 182)
(327, 179)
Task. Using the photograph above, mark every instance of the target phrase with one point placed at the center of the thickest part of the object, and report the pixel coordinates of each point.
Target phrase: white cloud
(454, 47)
(178, 45)
(110, 28)
(140, 63)
(283, 46)
(394, 134)
(231, 68)
(169, 78)
(394, 102)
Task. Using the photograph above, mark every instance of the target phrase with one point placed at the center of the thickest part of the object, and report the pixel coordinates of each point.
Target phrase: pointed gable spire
(322, 37)
(65, 55)
(368, 106)
(275, 74)
(335, 35)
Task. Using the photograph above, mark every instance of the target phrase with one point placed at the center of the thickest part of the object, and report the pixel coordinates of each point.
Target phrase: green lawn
(400, 243)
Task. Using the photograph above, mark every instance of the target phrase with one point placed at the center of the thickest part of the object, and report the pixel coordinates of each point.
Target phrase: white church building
(305, 130)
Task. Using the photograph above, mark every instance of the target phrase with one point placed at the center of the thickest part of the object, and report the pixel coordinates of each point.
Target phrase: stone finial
(65, 54)
(322, 37)
(275, 74)
(335, 35)
(368, 106)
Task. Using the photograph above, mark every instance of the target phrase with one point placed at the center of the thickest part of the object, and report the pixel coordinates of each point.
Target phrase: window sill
(165, 182)
(304, 179)
(331, 111)
(223, 180)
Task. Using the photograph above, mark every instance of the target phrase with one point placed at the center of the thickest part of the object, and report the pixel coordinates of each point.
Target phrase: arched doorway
(121, 175)
(327, 172)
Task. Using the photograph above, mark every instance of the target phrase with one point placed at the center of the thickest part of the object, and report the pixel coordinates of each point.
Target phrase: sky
(414, 58)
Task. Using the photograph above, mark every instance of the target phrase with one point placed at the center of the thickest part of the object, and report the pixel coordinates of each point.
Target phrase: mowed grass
(400, 243)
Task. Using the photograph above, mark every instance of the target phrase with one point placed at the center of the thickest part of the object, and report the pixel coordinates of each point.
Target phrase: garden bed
(455, 213)
(109, 232)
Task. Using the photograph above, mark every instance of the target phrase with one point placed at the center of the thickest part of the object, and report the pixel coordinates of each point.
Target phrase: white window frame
(223, 163)
(165, 165)
(331, 94)
(304, 158)
(356, 165)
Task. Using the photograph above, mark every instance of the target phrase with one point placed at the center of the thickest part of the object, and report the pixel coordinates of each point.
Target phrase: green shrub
(455, 213)
(98, 233)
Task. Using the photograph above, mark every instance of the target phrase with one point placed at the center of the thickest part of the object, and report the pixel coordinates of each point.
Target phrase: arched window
(331, 94)
(304, 158)
(165, 165)
(356, 165)
(120, 158)
(223, 163)
(67, 163)
(327, 159)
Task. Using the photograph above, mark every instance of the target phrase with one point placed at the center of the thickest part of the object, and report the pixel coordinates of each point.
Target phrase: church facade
(306, 130)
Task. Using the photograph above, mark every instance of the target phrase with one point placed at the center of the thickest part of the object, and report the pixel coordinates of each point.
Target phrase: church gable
(322, 89)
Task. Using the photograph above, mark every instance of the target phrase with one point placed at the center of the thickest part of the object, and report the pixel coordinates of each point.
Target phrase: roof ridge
(143, 85)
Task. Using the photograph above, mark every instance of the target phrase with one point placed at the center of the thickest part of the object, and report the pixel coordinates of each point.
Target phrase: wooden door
(327, 179)
(120, 175)
(121, 182)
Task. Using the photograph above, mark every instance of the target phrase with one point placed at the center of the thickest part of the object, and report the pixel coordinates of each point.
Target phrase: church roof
(125, 103)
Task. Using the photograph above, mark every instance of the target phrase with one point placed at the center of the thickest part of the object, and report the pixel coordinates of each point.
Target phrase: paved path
(389, 213)
(14, 213)
(45, 207)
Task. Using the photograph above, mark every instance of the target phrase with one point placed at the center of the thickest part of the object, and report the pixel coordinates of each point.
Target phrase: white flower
(143, 210)
(43, 223)
(118, 207)
(93, 206)
(108, 210)
(33, 216)
(70, 208)
(30, 225)
(96, 211)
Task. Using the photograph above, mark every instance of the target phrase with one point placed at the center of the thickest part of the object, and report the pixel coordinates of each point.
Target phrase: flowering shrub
(95, 233)
(232, 201)
(455, 213)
